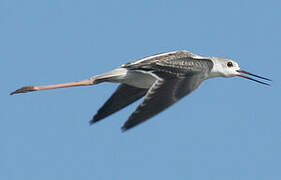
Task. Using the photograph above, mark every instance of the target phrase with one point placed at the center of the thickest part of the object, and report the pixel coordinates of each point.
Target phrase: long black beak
(247, 77)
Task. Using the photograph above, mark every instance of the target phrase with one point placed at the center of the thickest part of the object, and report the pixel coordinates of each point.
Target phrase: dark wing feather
(122, 97)
(161, 95)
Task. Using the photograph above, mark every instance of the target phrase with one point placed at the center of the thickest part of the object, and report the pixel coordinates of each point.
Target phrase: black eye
(229, 64)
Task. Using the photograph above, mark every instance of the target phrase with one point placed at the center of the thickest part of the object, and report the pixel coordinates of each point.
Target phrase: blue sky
(226, 129)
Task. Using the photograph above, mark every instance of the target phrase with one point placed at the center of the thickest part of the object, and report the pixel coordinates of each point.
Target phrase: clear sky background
(226, 129)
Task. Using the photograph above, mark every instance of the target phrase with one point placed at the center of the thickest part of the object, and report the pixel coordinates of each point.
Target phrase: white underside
(136, 78)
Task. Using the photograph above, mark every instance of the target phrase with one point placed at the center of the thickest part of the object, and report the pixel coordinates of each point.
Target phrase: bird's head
(224, 67)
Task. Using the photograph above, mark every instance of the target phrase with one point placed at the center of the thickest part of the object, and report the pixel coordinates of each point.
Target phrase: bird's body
(161, 79)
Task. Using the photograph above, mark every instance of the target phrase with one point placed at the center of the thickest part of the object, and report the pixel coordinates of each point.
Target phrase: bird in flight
(161, 79)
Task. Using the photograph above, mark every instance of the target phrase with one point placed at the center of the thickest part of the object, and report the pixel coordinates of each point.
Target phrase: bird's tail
(116, 75)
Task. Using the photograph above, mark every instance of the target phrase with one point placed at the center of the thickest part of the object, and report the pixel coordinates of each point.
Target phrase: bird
(162, 80)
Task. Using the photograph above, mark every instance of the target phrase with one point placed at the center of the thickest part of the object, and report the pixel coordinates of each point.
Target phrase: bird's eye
(229, 64)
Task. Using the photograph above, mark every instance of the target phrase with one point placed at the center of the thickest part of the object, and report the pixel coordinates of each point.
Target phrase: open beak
(247, 77)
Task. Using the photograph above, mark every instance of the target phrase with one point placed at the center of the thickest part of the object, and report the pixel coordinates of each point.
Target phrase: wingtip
(123, 129)
(126, 127)
(92, 122)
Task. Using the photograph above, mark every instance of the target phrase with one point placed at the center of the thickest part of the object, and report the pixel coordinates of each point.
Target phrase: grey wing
(179, 63)
(142, 63)
(160, 96)
(122, 97)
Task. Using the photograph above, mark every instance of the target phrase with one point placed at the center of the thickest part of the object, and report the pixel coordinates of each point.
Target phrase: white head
(224, 67)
